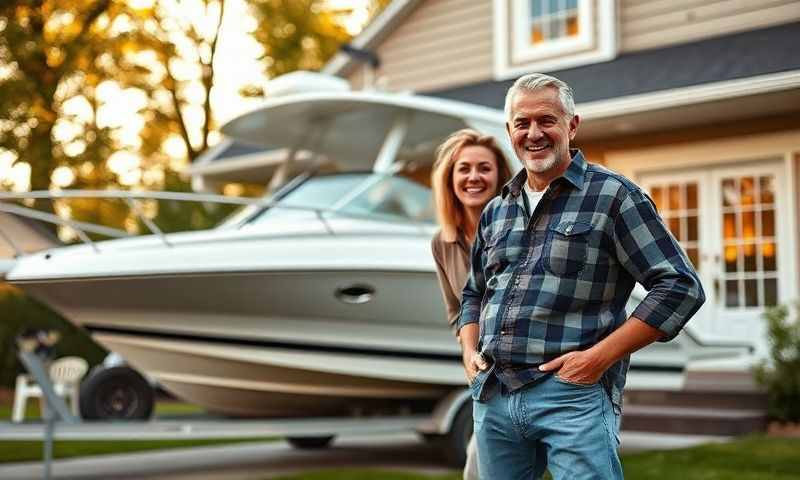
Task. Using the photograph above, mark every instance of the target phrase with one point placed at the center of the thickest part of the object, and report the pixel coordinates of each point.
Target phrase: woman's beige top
(452, 265)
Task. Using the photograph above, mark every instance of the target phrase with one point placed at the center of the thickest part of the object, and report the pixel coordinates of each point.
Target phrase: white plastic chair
(65, 373)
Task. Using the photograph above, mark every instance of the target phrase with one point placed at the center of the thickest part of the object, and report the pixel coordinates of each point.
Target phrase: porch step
(693, 420)
(698, 398)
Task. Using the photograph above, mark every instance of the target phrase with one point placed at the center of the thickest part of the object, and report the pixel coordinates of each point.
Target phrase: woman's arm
(451, 300)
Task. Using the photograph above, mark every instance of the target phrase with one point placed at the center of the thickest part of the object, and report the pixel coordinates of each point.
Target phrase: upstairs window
(546, 35)
(552, 20)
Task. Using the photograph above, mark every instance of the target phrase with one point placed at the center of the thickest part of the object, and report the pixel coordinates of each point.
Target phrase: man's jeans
(570, 429)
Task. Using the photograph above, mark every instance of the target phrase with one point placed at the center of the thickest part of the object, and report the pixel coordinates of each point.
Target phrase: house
(697, 101)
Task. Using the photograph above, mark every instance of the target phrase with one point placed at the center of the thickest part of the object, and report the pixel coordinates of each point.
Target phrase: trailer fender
(444, 413)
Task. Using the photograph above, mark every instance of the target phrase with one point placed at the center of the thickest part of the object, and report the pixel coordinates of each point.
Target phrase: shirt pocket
(566, 247)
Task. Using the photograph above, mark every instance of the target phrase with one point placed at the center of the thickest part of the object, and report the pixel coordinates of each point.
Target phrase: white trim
(232, 164)
(678, 97)
(392, 143)
(210, 154)
(604, 41)
(385, 20)
(791, 222)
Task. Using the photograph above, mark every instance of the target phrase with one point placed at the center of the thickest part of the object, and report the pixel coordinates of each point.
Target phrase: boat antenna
(364, 56)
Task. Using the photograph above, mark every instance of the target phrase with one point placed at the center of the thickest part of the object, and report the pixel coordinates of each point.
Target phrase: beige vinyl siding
(656, 23)
(442, 43)
(447, 43)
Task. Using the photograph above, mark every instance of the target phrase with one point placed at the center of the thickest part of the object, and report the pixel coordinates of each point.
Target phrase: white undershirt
(533, 197)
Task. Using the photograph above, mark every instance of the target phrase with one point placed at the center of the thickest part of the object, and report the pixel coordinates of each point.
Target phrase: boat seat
(65, 374)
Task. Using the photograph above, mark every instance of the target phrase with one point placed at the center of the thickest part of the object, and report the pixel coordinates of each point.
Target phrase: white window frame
(514, 55)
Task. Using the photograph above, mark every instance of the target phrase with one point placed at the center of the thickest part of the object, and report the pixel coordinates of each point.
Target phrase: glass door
(748, 233)
(727, 220)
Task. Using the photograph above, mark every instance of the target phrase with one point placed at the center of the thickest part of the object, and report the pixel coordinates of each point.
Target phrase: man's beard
(542, 165)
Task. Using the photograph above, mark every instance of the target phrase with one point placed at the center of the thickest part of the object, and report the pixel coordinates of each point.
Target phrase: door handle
(356, 294)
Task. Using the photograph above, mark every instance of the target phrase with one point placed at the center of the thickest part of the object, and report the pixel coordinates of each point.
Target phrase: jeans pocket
(617, 424)
(564, 381)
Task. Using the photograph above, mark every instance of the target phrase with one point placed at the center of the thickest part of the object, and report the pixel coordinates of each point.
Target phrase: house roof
(737, 56)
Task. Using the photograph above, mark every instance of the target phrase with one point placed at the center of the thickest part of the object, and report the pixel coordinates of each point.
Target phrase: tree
(57, 56)
(43, 53)
(294, 40)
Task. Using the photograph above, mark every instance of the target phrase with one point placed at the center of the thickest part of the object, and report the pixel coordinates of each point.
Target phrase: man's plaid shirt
(556, 281)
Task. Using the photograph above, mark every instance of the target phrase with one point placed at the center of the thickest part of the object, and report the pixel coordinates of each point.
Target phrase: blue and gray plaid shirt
(557, 280)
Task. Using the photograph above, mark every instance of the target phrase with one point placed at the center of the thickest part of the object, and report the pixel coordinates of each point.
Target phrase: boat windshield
(387, 197)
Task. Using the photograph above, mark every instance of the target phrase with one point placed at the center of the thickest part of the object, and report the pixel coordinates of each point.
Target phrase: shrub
(19, 312)
(780, 375)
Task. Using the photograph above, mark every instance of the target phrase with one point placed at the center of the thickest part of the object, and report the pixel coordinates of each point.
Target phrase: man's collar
(574, 174)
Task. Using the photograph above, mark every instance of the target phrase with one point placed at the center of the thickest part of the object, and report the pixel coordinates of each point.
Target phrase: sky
(236, 65)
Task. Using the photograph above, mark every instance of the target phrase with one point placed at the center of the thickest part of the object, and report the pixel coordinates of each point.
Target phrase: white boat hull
(272, 343)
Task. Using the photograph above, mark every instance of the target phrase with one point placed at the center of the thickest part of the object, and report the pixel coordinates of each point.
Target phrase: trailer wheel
(310, 443)
(454, 442)
(116, 393)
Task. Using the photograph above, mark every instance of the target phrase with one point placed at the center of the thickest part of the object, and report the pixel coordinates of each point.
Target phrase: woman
(469, 171)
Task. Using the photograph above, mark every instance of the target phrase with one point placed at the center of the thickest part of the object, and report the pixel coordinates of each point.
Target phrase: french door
(728, 220)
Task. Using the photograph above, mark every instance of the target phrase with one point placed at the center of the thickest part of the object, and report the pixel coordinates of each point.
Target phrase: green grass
(750, 458)
(172, 408)
(162, 409)
(368, 475)
(24, 451)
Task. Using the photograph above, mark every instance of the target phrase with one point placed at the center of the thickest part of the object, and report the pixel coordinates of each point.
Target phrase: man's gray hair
(537, 81)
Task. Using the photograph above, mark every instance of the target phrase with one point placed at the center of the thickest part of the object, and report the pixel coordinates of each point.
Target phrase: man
(545, 339)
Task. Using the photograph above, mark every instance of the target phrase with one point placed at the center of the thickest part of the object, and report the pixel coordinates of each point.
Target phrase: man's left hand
(577, 367)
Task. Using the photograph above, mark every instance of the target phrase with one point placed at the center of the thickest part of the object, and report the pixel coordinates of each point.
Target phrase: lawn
(368, 475)
(21, 451)
(25, 451)
(162, 409)
(749, 458)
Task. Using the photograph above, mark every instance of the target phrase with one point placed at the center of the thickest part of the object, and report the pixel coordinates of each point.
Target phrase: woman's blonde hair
(449, 210)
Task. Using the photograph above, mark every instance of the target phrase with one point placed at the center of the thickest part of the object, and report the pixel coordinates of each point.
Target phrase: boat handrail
(130, 197)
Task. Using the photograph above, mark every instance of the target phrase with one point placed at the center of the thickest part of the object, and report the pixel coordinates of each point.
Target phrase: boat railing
(133, 199)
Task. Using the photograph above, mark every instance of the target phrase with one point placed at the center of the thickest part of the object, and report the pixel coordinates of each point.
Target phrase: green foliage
(19, 312)
(750, 458)
(294, 40)
(781, 374)
(183, 216)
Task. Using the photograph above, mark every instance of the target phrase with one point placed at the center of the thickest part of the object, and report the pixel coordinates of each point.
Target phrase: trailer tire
(310, 443)
(454, 442)
(116, 393)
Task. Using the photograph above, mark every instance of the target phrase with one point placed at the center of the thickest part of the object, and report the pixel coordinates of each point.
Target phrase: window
(365, 195)
(546, 35)
(552, 20)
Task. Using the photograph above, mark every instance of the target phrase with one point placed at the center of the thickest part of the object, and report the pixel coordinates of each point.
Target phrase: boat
(318, 299)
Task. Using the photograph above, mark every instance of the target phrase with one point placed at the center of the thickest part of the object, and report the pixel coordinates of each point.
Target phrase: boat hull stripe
(160, 335)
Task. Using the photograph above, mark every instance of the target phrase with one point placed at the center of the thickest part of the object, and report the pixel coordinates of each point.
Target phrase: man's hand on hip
(576, 367)
(587, 366)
